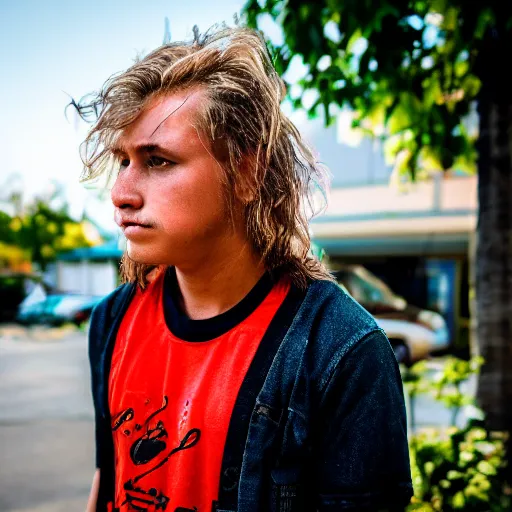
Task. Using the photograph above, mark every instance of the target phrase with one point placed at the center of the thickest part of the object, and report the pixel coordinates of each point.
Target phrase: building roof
(108, 251)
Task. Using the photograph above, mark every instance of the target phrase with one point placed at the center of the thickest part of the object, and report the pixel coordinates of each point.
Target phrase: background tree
(41, 228)
(411, 71)
(45, 232)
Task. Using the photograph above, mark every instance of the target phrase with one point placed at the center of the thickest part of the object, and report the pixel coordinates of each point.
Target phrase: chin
(146, 256)
(141, 255)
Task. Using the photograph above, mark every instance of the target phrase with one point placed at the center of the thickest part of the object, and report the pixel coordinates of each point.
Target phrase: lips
(132, 228)
(134, 231)
(127, 224)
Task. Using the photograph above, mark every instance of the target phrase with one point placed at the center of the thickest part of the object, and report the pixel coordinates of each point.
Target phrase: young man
(229, 373)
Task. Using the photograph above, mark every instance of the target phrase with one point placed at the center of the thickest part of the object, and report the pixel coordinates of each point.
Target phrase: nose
(126, 193)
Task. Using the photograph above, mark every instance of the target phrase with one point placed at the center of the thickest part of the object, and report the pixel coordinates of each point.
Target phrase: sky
(51, 50)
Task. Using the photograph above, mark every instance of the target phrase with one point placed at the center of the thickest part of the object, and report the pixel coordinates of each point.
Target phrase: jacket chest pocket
(274, 462)
(286, 491)
(288, 485)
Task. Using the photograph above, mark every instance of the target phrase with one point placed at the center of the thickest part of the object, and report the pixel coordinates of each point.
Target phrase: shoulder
(335, 324)
(336, 313)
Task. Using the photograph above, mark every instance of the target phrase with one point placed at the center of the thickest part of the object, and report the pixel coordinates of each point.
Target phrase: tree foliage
(42, 232)
(406, 68)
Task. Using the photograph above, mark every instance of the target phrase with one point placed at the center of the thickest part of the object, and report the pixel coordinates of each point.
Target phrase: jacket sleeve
(96, 334)
(105, 319)
(363, 433)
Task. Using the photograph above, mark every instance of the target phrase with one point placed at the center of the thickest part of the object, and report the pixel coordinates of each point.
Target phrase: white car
(414, 333)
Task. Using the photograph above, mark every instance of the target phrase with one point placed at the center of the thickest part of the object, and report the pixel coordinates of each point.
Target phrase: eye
(157, 161)
(123, 163)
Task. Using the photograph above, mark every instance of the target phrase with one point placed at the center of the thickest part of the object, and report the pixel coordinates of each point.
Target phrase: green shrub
(454, 468)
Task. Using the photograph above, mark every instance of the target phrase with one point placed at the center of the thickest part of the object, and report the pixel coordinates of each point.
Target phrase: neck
(219, 282)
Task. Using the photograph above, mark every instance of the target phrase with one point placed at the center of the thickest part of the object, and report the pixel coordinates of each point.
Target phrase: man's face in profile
(168, 196)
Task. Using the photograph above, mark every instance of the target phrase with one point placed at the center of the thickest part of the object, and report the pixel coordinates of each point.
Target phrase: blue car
(56, 308)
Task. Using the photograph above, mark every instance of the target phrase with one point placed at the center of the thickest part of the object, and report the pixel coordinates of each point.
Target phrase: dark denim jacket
(319, 423)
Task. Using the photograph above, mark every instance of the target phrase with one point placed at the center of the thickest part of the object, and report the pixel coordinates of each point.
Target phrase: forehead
(166, 119)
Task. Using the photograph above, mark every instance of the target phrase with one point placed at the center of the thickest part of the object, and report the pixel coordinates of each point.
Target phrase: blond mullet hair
(243, 121)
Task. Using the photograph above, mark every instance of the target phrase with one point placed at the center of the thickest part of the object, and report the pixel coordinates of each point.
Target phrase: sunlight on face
(168, 196)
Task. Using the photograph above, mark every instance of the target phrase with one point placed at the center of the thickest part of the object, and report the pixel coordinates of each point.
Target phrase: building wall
(86, 277)
(430, 217)
(358, 164)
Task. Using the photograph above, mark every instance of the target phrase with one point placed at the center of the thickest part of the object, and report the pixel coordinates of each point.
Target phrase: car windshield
(366, 288)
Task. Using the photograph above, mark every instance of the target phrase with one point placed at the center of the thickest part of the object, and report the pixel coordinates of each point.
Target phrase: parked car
(56, 308)
(414, 333)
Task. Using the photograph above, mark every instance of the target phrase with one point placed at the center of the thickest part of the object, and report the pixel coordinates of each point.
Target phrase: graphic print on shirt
(146, 449)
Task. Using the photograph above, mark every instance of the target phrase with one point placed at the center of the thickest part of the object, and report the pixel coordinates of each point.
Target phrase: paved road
(46, 421)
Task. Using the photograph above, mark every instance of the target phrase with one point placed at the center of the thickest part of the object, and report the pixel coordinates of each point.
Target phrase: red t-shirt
(171, 400)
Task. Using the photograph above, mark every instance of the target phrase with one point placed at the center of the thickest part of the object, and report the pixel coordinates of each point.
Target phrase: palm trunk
(494, 237)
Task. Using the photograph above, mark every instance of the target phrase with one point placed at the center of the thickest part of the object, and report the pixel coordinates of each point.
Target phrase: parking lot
(46, 420)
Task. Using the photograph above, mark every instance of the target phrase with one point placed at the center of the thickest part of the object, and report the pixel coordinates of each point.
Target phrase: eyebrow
(141, 148)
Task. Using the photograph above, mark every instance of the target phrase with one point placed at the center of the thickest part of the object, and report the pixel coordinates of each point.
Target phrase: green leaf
(485, 19)
(471, 86)
(486, 468)
(451, 18)
(354, 38)
(399, 120)
(459, 500)
(432, 93)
